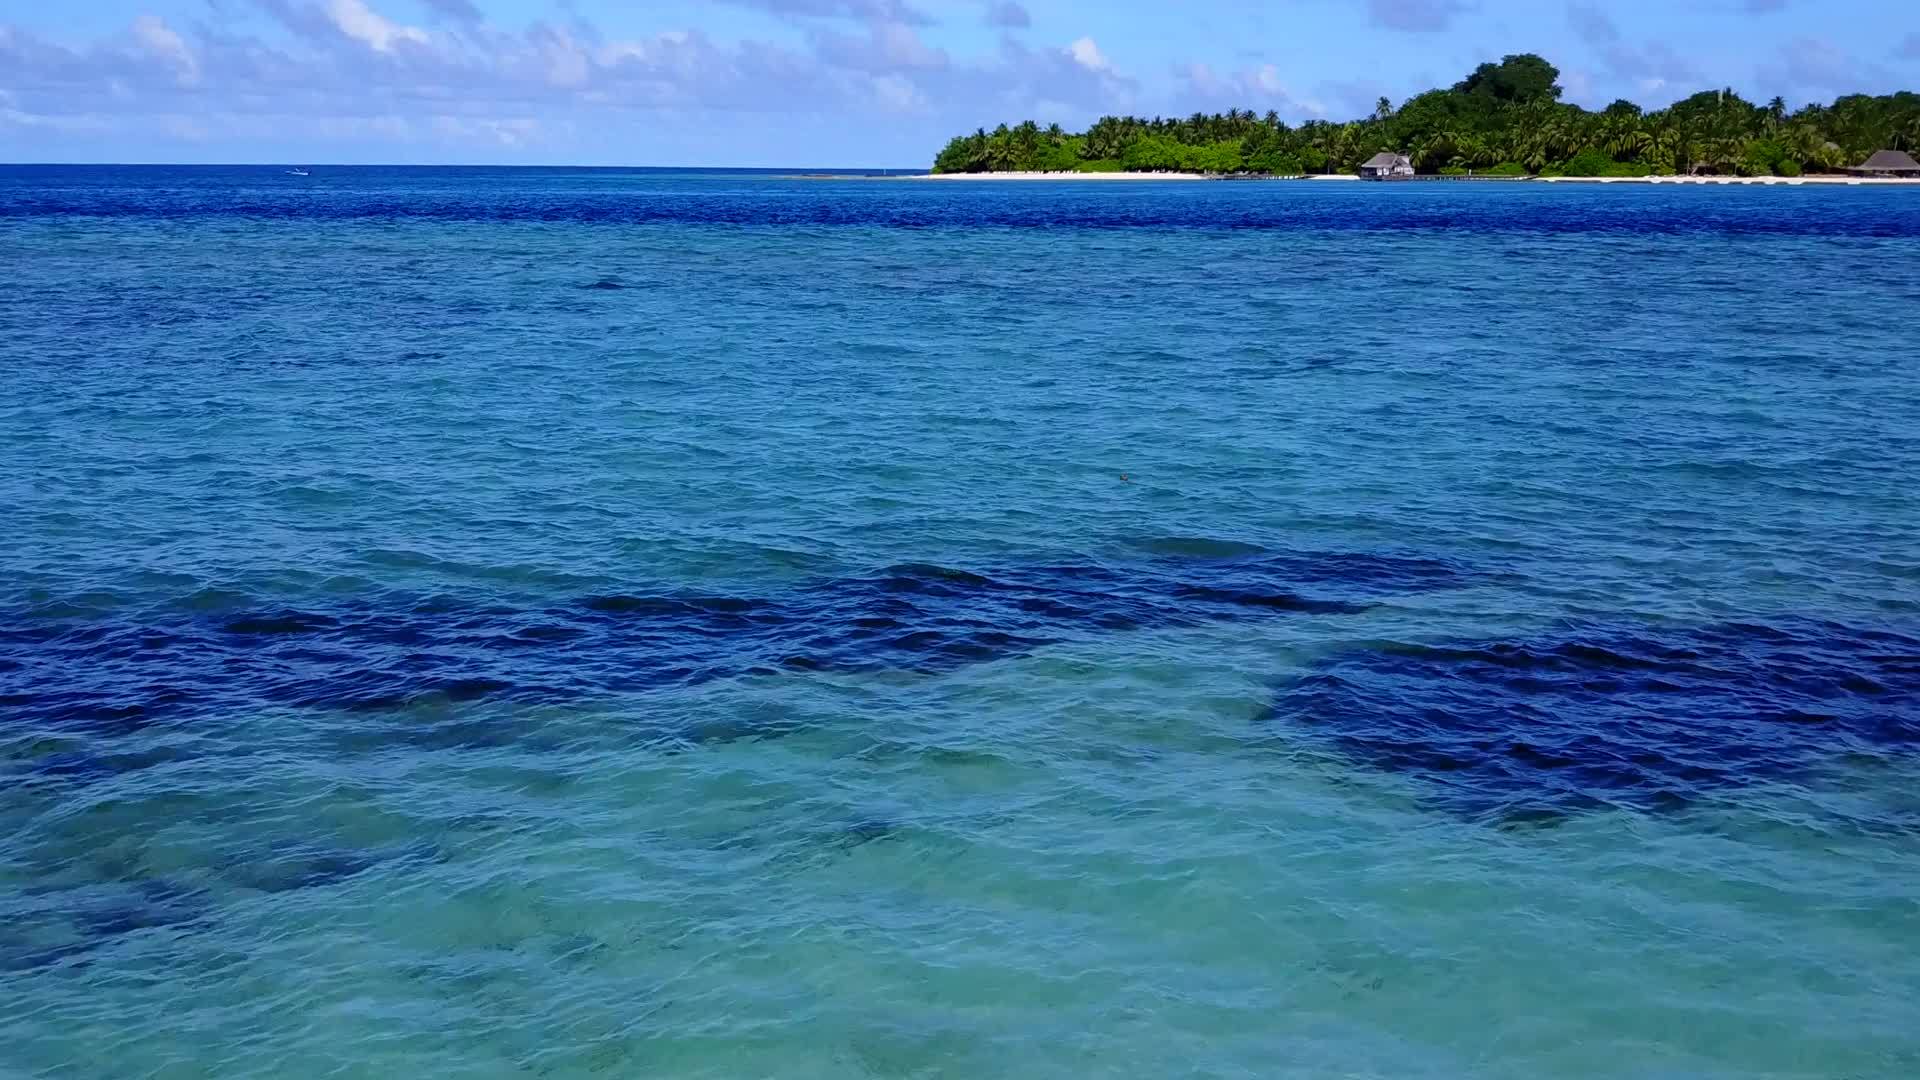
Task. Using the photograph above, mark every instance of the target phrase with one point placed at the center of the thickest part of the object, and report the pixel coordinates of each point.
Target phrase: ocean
(585, 623)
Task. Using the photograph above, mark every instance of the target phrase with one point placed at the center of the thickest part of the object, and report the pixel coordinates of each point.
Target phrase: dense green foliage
(1504, 119)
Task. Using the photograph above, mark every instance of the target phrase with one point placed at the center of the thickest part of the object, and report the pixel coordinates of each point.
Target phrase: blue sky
(834, 82)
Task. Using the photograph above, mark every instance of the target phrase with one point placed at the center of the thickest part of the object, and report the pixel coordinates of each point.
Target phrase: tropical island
(1504, 119)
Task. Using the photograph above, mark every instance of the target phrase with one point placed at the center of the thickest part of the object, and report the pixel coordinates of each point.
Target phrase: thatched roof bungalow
(1385, 166)
(1889, 163)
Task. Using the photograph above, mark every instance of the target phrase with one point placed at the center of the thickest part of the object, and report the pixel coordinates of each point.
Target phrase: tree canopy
(1503, 117)
(1514, 80)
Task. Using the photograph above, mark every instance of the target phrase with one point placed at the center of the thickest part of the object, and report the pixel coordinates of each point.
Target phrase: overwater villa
(1386, 166)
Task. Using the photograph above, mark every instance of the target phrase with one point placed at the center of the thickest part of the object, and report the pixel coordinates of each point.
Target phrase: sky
(867, 83)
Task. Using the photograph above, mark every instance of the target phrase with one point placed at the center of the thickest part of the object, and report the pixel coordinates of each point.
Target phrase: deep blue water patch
(290, 865)
(71, 921)
(1648, 719)
(103, 675)
(633, 198)
(46, 925)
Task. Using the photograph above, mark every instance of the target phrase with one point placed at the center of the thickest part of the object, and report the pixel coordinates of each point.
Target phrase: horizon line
(315, 164)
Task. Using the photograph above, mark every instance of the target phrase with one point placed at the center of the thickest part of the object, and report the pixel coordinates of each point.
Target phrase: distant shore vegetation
(1505, 118)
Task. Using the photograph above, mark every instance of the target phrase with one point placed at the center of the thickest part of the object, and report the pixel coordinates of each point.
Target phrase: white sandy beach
(1063, 176)
(1767, 181)
(1109, 176)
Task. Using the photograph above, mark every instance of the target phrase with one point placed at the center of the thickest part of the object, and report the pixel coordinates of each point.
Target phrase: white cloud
(161, 41)
(887, 47)
(1648, 68)
(70, 123)
(1088, 55)
(391, 128)
(567, 63)
(898, 94)
(511, 133)
(1260, 88)
(361, 23)
(902, 46)
(345, 71)
(862, 10)
(189, 128)
(1578, 83)
(1818, 66)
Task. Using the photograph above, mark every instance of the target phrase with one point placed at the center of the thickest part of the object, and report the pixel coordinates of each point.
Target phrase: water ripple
(86, 670)
(1592, 717)
(921, 629)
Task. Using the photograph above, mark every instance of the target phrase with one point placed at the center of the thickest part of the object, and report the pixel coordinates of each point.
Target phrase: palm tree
(1802, 143)
(1728, 136)
(999, 152)
(1623, 135)
(1666, 143)
(1909, 135)
(1320, 135)
(1346, 143)
(1440, 148)
(1776, 113)
(1543, 135)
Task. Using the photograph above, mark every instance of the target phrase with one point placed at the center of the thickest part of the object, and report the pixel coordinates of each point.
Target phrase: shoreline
(1695, 181)
(1747, 181)
(1058, 176)
(1016, 175)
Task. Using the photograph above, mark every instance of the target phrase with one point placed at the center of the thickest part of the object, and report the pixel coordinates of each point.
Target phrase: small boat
(298, 172)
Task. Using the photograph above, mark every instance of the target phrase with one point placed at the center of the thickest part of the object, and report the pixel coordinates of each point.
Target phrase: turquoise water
(492, 623)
